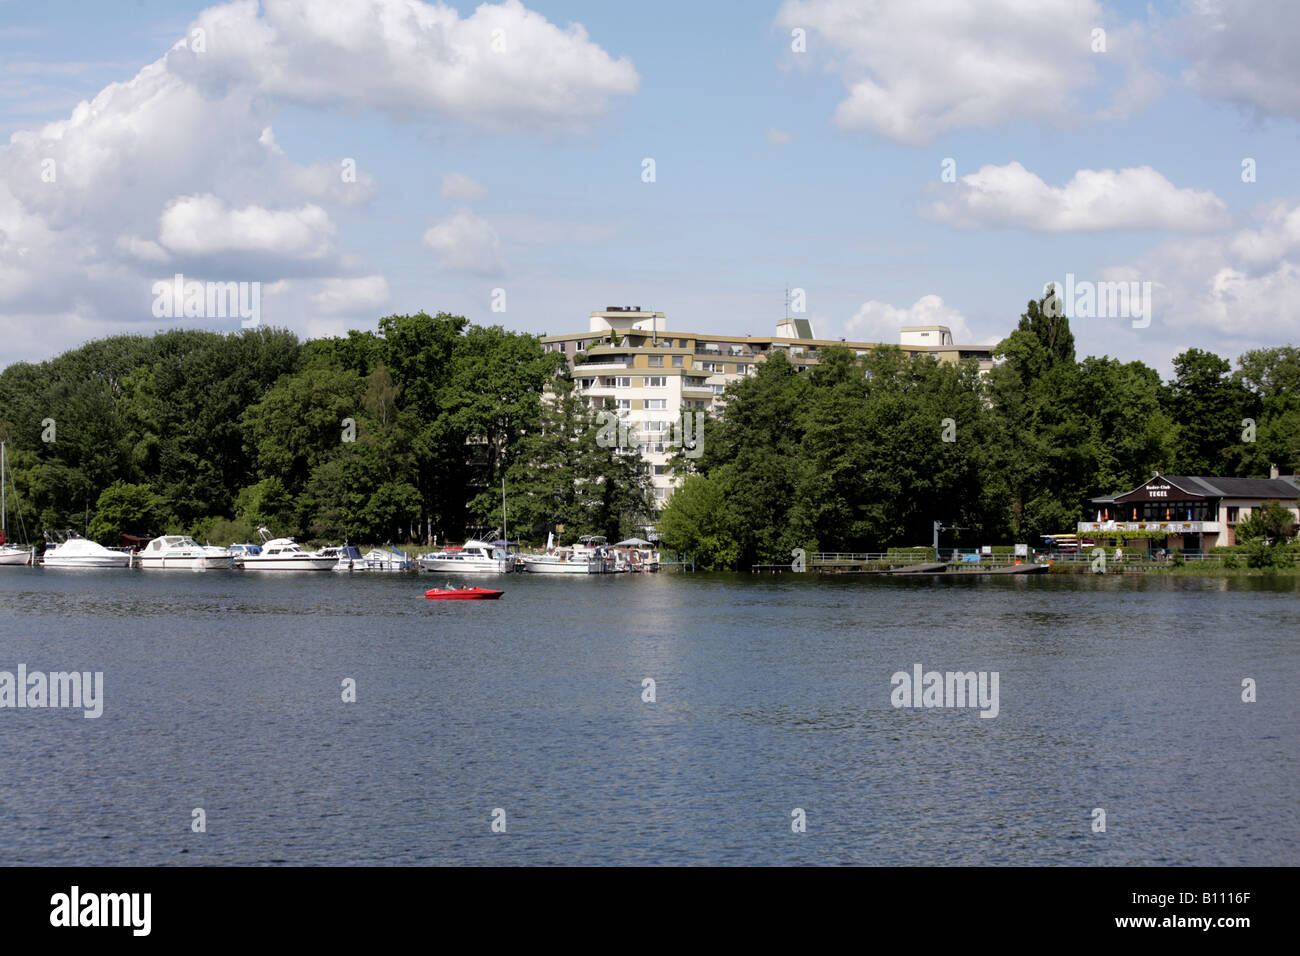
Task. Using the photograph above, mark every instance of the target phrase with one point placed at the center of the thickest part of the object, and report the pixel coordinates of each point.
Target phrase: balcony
(725, 353)
(1169, 527)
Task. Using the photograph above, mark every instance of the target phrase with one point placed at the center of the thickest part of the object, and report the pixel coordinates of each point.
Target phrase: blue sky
(818, 169)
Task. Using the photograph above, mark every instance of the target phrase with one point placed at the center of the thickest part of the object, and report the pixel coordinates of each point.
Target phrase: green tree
(125, 508)
(694, 523)
(1209, 407)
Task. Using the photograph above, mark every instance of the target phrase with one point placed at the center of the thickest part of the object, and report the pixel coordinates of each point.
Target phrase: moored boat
(285, 554)
(596, 546)
(10, 554)
(181, 552)
(473, 557)
(643, 556)
(563, 561)
(80, 553)
(240, 551)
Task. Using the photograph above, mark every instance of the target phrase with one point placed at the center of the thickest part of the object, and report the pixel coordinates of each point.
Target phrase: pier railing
(847, 560)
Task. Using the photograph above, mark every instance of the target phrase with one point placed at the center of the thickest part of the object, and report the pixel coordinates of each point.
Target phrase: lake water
(223, 692)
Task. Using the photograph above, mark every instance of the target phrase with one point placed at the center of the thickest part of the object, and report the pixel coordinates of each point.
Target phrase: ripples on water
(223, 692)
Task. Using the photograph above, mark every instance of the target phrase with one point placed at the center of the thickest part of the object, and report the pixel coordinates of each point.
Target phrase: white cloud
(204, 225)
(363, 294)
(465, 242)
(461, 187)
(1093, 200)
(777, 137)
(915, 69)
(1244, 51)
(503, 67)
(1235, 287)
(180, 164)
(881, 322)
(145, 250)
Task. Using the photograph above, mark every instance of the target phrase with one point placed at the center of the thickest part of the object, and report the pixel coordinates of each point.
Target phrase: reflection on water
(223, 691)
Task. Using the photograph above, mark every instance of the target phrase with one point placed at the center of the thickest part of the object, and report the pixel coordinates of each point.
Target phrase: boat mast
(2, 492)
(505, 531)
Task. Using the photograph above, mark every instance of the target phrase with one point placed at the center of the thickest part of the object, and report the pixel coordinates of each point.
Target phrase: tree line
(409, 431)
(392, 435)
(863, 453)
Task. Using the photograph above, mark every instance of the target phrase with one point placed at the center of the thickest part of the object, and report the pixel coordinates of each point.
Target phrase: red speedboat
(462, 594)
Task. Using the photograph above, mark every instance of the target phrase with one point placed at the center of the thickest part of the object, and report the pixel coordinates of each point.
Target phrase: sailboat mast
(2, 493)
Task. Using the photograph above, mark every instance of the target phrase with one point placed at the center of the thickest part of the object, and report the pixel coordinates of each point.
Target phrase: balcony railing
(1171, 527)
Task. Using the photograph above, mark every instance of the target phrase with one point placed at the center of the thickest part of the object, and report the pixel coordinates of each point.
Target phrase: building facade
(630, 362)
(1198, 513)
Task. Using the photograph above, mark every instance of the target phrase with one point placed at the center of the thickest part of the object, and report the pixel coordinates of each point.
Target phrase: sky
(899, 161)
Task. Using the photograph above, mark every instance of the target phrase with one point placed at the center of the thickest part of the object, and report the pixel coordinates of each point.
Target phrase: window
(623, 403)
(657, 448)
(661, 469)
(656, 361)
(586, 382)
(661, 493)
(655, 428)
(677, 361)
(656, 404)
(742, 369)
(1233, 510)
(656, 381)
(623, 381)
(719, 389)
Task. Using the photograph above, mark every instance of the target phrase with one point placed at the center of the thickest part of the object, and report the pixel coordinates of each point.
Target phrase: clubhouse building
(1197, 513)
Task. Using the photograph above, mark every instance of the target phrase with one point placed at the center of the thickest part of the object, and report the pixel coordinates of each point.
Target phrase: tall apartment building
(630, 362)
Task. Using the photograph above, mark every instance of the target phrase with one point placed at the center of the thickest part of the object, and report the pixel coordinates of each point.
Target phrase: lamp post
(938, 526)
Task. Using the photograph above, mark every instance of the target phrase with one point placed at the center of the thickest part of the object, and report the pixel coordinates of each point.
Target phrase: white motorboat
(473, 557)
(284, 554)
(348, 557)
(643, 555)
(563, 561)
(240, 551)
(381, 559)
(596, 546)
(9, 554)
(80, 553)
(181, 552)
